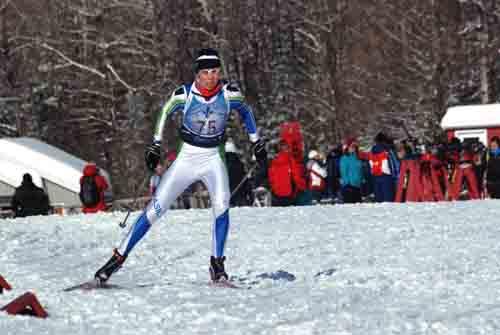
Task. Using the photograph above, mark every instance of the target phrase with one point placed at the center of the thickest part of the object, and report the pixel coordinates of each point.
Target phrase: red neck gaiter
(207, 94)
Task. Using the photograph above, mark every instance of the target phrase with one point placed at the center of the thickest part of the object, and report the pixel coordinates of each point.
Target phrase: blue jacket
(351, 170)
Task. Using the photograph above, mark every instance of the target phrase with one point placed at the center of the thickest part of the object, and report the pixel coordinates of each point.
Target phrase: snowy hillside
(350, 269)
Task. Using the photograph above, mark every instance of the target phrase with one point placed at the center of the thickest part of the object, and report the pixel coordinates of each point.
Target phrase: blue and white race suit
(199, 158)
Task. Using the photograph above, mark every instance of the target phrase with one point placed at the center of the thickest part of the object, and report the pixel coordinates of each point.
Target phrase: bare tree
(90, 76)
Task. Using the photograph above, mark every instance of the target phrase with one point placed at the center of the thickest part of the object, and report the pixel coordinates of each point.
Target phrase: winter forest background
(90, 76)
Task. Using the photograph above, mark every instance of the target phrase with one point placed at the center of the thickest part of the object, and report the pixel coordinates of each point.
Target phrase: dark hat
(27, 178)
(381, 138)
(207, 59)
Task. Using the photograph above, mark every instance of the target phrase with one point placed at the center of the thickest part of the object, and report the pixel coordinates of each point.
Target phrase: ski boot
(111, 266)
(217, 272)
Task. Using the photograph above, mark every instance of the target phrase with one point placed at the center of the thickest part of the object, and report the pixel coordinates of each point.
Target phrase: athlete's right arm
(174, 104)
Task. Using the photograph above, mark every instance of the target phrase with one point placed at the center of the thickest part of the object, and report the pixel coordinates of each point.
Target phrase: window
(471, 134)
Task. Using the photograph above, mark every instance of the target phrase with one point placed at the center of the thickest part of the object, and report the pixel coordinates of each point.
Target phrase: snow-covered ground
(350, 269)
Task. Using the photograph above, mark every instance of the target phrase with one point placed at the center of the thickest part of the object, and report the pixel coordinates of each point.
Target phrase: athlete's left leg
(217, 182)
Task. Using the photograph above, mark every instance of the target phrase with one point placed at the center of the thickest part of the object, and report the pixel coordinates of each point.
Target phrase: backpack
(89, 192)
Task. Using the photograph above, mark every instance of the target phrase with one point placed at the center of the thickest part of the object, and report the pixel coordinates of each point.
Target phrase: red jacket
(286, 175)
(88, 171)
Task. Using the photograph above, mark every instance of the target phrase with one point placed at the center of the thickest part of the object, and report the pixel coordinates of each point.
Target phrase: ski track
(427, 268)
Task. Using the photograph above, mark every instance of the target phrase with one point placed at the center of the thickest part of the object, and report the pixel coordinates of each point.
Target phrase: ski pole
(237, 188)
(123, 224)
(249, 173)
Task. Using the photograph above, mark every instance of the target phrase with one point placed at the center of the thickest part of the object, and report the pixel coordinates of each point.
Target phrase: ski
(223, 284)
(93, 284)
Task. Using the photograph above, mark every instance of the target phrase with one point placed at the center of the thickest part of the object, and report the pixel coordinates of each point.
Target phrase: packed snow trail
(352, 269)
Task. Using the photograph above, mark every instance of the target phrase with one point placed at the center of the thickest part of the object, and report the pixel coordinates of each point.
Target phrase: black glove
(260, 153)
(152, 155)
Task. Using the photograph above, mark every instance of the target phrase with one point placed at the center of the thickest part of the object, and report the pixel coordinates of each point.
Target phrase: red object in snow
(26, 304)
(409, 185)
(4, 285)
(461, 175)
(434, 178)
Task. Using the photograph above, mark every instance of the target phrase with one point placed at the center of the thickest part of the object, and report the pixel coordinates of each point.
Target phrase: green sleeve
(174, 104)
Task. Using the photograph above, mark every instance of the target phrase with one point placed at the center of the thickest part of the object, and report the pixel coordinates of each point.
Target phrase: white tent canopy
(471, 116)
(55, 170)
(12, 173)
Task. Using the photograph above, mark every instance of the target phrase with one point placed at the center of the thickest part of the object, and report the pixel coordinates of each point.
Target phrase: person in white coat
(316, 175)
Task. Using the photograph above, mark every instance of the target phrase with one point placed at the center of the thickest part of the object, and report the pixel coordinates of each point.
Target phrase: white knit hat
(230, 147)
(312, 154)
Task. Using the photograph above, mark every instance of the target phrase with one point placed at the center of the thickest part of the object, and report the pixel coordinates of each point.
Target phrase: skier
(205, 106)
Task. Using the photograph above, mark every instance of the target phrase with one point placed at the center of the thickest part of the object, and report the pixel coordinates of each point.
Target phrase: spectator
(92, 187)
(493, 169)
(333, 172)
(351, 173)
(286, 177)
(304, 197)
(316, 175)
(384, 168)
(408, 149)
(432, 175)
(479, 165)
(237, 177)
(199, 196)
(404, 151)
(462, 157)
(29, 199)
(401, 152)
(367, 185)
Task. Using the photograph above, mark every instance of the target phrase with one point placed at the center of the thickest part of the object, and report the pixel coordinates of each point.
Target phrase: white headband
(207, 57)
